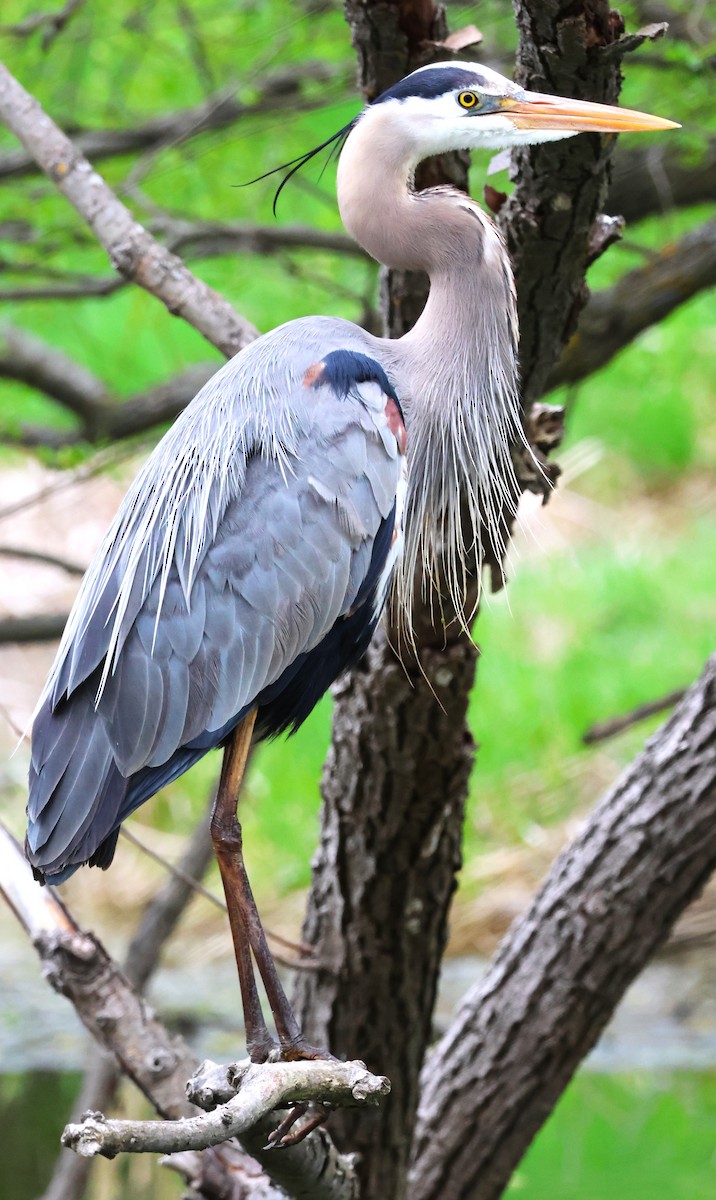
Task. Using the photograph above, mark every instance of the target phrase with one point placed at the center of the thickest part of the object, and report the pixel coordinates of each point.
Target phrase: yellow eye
(468, 100)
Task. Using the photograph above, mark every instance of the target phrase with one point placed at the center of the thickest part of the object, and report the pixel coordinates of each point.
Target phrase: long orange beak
(535, 111)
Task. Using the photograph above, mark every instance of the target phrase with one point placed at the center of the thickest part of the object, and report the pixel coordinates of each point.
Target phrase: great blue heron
(250, 560)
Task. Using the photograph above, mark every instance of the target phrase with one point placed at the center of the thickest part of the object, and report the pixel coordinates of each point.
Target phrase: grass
(634, 1136)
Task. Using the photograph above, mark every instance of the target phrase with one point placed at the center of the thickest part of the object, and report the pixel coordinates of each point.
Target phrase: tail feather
(76, 792)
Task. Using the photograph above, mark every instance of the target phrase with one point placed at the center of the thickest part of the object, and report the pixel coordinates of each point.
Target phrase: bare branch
(39, 556)
(607, 905)
(261, 1089)
(642, 297)
(606, 729)
(42, 627)
(30, 360)
(208, 239)
(655, 178)
(281, 89)
(68, 289)
(52, 23)
(97, 464)
(132, 251)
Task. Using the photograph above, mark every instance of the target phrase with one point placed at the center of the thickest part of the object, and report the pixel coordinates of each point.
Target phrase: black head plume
(335, 141)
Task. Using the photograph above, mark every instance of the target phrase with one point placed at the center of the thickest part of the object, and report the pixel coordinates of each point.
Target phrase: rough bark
(607, 905)
(642, 297)
(393, 802)
(560, 188)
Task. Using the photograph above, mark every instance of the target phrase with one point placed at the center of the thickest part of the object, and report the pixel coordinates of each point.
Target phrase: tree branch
(51, 23)
(41, 627)
(33, 361)
(260, 1090)
(132, 251)
(614, 317)
(209, 239)
(607, 905)
(654, 179)
(38, 556)
(280, 89)
(119, 1019)
(602, 730)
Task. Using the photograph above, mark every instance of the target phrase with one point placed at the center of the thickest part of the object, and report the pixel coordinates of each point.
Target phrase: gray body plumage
(249, 561)
(246, 536)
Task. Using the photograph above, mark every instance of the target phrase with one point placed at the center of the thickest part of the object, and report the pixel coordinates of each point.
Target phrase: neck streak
(455, 371)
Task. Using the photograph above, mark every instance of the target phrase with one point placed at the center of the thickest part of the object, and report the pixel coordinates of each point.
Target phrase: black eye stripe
(429, 84)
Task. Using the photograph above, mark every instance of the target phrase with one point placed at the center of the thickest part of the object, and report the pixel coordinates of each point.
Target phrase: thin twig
(186, 877)
(279, 90)
(133, 252)
(606, 729)
(52, 23)
(98, 464)
(39, 556)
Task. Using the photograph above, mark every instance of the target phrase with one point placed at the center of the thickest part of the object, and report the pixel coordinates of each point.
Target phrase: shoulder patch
(343, 369)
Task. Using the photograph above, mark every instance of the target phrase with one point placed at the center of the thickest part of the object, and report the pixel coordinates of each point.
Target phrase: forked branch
(132, 250)
(260, 1089)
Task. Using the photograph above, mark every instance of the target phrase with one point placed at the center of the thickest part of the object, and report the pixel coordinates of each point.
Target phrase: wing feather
(193, 614)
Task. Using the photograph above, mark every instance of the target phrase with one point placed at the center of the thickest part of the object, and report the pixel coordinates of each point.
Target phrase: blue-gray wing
(206, 593)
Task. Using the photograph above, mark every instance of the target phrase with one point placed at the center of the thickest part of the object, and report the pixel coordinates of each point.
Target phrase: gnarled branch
(615, 316)
(260, 1090)
(606, 906)
(132, 251)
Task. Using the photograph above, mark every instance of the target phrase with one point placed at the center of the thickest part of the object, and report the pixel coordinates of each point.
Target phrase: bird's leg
(246, 928)
(226, 836)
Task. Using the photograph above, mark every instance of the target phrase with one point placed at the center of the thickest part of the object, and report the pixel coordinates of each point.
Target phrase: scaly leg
(246, 929)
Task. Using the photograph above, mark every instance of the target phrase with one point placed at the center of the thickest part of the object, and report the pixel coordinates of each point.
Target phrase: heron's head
(463, 106)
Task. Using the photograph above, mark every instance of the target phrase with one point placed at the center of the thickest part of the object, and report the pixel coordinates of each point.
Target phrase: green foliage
(634, 1136)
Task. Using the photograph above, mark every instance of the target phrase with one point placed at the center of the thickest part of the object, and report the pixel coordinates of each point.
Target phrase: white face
(460, 105)
(433, 125)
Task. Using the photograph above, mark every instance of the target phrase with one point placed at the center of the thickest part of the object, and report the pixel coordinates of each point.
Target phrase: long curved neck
(433, 231)
(470, 309)
(456, 370)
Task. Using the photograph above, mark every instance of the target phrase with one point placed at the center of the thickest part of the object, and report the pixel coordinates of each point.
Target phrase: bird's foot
(285, 1135)
(298, 1049)
(266, 1049)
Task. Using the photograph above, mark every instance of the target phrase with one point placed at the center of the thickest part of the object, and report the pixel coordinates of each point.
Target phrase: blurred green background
(612, 595)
